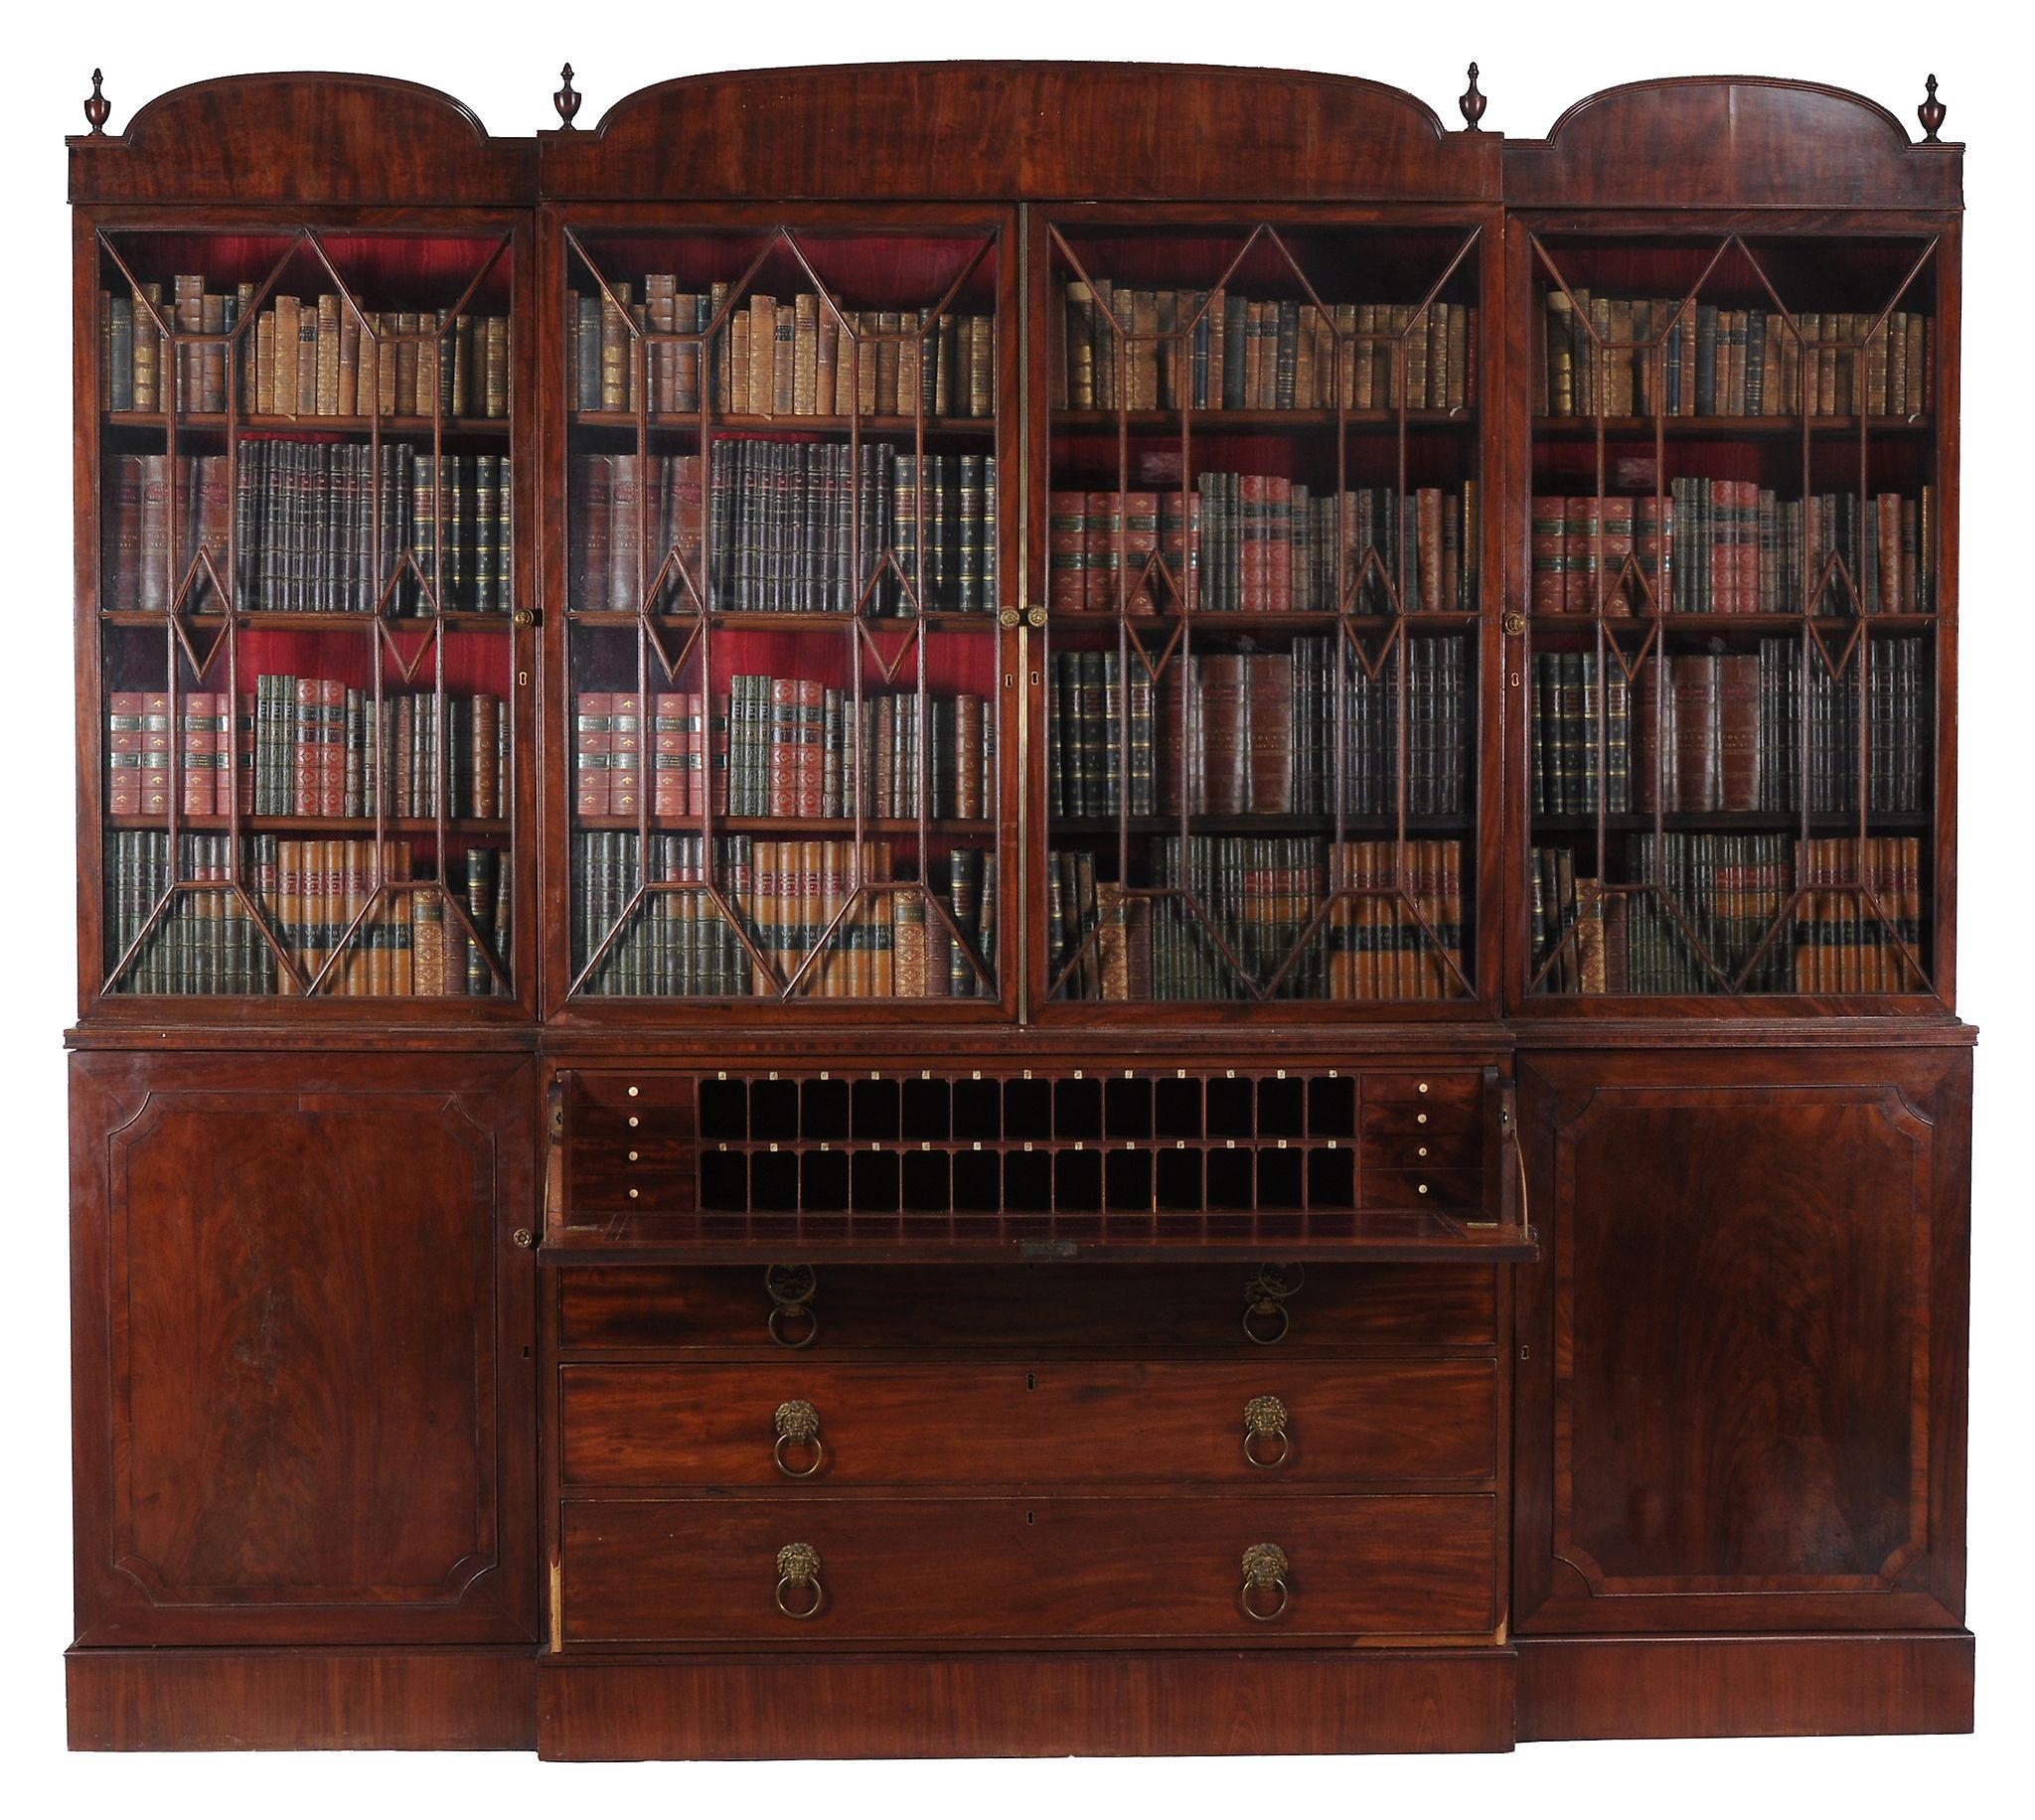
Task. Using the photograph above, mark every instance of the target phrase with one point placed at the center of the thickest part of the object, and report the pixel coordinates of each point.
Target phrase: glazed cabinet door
(302, 1333)
(1741, 1379)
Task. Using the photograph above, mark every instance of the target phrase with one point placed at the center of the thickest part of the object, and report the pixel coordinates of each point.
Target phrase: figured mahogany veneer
(1619, 1373)
(1073, 1422)
(676, 1570)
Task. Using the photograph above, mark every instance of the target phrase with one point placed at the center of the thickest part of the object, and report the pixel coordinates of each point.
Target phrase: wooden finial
(566, 100)
(96, 106)
(1471, 103)
(1930, 114)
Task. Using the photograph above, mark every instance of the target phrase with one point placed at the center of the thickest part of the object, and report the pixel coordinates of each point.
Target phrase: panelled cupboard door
(1741, 1390)
(302, 1332)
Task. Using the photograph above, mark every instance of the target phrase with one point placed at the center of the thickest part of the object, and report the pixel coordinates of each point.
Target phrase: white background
(502, 61)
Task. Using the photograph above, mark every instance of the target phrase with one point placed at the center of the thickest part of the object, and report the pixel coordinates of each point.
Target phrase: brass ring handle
(791, 1288)
(798, 1426)
(777, 1329)
(1265, 1296)
(798, 1571)
(1267, 1310)
(1265, 1568)
(1264, 1423)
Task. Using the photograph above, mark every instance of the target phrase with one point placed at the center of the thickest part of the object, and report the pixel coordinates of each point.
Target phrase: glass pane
(1263, 584)
(306, 585)
(782, 495)
(1733, 616)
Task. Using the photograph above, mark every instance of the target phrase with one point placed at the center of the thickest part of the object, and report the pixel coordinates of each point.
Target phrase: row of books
(801, 356)
(305, 746)
(1731, 546)
(1727, 891)
(795, 530)
(788, 893)
(314, 527)
(1397, 934)
(1119, 345)
(1725, 731)
(1261, 542)
(311, 896)
(304, 358)
(1632, 357)
(784, 746)
(1242, 734)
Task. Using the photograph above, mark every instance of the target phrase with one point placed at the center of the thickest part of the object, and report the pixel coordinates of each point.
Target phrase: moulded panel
(304, 1398)
(1742, 1401)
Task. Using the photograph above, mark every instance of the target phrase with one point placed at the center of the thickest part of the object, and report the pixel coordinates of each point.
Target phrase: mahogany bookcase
(1015, 908)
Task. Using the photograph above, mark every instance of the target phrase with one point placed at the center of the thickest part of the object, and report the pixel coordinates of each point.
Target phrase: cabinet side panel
(301, 1332)
(1739, 1417)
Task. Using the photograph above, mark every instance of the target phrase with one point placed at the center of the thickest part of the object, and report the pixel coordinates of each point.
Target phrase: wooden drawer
(1058, 1423)
(1085, 1307)
(630, 1142)
(682, 1571)
(1423, 1187)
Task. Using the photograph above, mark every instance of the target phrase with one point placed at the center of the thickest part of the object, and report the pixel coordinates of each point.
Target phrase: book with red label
(592, 753)
(125, 752)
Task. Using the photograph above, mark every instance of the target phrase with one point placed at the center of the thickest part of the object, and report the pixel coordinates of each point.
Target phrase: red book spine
(125, 710)
(625, 761)
(304, 748)
(592, 746)
(718, 753)
(809, 728)
(783, 749)
(196, 743)
(667, 743)
(331, 748)
(1067, 548)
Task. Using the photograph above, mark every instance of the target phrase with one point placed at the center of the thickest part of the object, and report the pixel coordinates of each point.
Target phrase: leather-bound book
(1614, 545)
(1548, 545)
(1738, 738)
(290, 343)
(494, 366)
(1226, 717)
(1583, 548)
(1105, 555)
(325, 392)
(124, 755)
(592, 747)
(1697, 685)
(614, 350)
(1270, 723)
(1657, 747)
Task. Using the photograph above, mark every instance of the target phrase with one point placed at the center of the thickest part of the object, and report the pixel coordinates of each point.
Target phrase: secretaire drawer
(1091, 1308)
(795, 1421)
(679, 1571)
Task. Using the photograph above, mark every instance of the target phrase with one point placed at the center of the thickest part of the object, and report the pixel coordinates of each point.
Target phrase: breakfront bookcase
(1015, 908)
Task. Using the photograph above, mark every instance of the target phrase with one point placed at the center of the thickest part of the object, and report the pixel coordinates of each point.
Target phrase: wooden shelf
(1624, 429)
(750, 620)
(1101, 826)
(1829, 625)
(1884, 821)
(1209, 422)
(332, 827)
(1243, 623)
(312, 622)
(748, 424)
(836, 827)
(214, 421)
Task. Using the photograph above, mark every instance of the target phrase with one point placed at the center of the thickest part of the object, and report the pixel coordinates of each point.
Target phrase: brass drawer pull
(1265, 1422)
(798, 1572)
(1266, 1291)
(1265, 1570)
(798, 1427)
(791, 1287)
